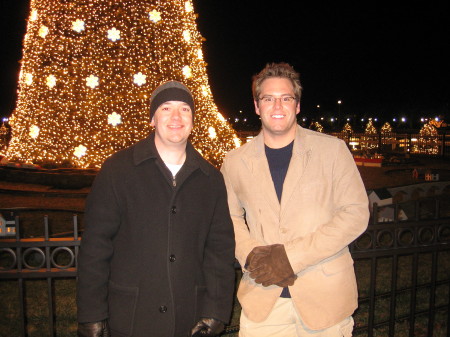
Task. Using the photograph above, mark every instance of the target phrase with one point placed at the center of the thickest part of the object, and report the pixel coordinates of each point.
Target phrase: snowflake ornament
(114, 119)
(186, 36)
(200, 54)
(80, 151)
(33, 15)
(139, 79)
(50, 81)
(187, 71)
(28, 79)
(154, 16)
(212, 132)
(78, 25)
(114, 34)
(34, 131)
(188, 7)
(92, 81)
(43, 31)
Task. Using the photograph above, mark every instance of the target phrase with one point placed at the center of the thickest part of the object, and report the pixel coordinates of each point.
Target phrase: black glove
(270, 265)
(94, 329)
(207, 327)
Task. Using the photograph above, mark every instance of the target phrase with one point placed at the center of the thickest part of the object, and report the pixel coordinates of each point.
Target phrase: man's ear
(256, 107)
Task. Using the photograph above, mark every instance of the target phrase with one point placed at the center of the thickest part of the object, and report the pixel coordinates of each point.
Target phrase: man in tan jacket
(297, 201)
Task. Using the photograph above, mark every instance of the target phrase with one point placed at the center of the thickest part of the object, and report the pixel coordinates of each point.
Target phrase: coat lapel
(301, 155)
(262, 182)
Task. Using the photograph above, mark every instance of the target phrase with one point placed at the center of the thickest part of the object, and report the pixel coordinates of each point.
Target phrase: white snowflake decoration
(212, 132)
(200, 54)
(28, 79)
(188, 7)
(80, 151)
(51, 81)
(34, 131)
(33, 15)
(114, 119)
(139, 79)
(154, 16)
(186, 35)
(92, 81)
(78, 25)
(43, 31)
(114, 34)
(237, 142)
(220, 117)
(187, 71)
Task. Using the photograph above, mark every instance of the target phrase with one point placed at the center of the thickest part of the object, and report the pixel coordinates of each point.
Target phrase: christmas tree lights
(88, 70)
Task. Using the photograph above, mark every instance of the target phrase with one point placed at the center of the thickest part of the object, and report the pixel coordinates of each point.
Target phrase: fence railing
(402, 267)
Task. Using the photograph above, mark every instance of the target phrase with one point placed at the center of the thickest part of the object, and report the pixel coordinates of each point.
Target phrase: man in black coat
(157, 253)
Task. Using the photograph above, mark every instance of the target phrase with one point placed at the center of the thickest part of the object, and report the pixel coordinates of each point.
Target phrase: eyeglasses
(272, 100)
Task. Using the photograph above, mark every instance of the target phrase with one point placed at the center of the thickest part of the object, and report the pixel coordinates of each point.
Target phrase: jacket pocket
(122, 307)
(337, 264)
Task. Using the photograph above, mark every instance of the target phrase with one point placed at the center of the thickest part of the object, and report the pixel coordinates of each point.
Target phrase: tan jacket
(324, 207)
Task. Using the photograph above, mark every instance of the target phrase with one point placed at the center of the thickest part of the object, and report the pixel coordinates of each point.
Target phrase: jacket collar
(258, 165)
(145, 149)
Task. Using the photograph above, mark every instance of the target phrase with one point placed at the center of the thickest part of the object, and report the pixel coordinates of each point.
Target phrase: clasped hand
(269, 265)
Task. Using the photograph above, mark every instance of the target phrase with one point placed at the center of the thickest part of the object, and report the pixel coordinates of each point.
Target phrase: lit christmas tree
(347, 128)
(368, 141)
(88, 70)
(386, 128)
(370, 128)
(428, 141)
(316, 126)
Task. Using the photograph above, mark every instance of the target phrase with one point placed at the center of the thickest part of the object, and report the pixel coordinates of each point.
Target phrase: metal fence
(403, 272)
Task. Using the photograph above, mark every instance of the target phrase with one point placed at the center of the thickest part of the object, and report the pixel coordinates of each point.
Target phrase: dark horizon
(380, 62)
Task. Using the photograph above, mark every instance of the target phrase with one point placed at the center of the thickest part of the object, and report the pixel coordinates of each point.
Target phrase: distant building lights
(403, 119)
(394, 119)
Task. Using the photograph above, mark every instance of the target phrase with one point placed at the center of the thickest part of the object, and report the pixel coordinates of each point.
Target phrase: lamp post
(339, 102)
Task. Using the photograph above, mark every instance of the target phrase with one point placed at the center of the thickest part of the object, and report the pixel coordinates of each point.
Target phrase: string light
(89, 70)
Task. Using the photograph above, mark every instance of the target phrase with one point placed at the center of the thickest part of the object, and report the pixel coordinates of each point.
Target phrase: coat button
(174, 209)
(162, 309)
(172, 258)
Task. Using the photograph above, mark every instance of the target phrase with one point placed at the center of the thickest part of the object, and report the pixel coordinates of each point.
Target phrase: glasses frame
(272, 99)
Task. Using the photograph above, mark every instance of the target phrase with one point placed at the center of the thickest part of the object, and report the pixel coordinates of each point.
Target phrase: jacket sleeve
(349, 217)
(218, 265)
(244, 242)
(102, 220)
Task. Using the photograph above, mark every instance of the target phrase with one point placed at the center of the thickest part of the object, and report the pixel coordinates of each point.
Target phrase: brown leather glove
(207, 327)
(270, 265)
(94, 329)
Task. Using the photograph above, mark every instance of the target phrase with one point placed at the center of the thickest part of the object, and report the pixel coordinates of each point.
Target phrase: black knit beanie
(170, 91)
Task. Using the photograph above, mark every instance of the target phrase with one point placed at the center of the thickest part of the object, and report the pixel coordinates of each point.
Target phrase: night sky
(381, 60)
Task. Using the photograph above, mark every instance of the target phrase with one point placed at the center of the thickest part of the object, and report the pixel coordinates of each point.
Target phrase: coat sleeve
(244, 242)
(102, 220)
(350, 215)
(219, 260)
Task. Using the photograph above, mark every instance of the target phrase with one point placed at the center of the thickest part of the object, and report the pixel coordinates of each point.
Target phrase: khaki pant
(284, 321)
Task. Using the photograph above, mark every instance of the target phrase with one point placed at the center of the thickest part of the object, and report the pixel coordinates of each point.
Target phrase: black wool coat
(157, 253)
